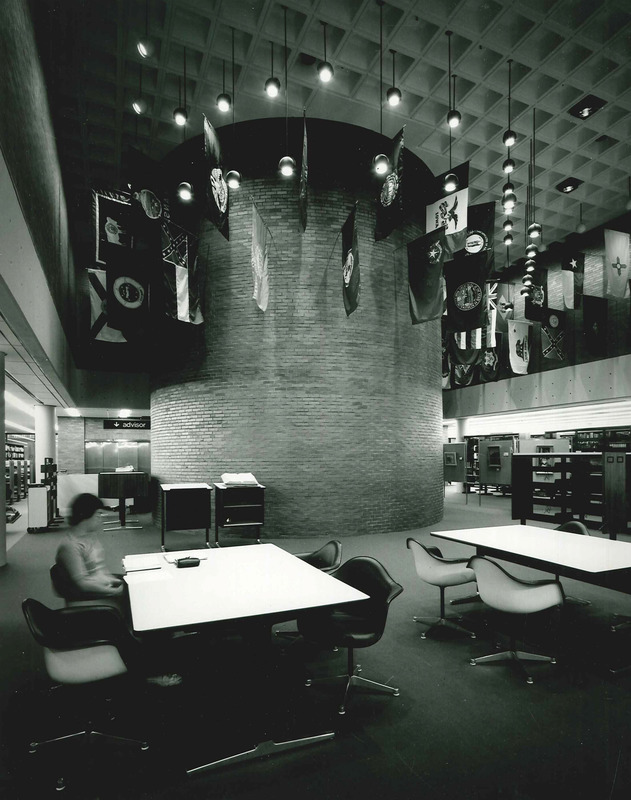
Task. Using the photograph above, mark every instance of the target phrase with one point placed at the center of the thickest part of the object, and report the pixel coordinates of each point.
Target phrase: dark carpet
(455, 731)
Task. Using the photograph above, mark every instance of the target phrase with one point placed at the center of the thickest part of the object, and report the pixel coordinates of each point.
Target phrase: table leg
(266, 748)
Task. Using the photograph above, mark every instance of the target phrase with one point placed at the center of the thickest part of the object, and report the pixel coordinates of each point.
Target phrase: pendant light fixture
(233, 177)
(272, 84)
(453, 116)
(139, 104)
(144, 45)
(450, 181)
(180, 115)
(534, 229)
(286, 165)
(507, 225)
(581, 227)
(394, 95)
(508, 238)
(380, 162)
(510, 137)
(325, 70)
(185, 191)
(224, 101)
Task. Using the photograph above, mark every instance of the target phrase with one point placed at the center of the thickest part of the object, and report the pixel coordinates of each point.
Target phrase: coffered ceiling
(562, 50)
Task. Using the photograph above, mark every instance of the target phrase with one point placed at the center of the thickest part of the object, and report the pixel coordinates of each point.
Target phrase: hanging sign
(127, 424)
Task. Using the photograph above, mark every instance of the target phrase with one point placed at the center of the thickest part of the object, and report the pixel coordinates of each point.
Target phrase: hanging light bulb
(525, 291)
(393, 95)
(325, 70)
(451, 182)
(508, 201)
(144, 45)
(530, 265)
(224, 101)
(508, 187)
(180, 115)
(531, 250)
(185, 191)
(233, 179)
(380, 164)
(509, 138)
(508, 225)
(508, 166)
(139, 106)
(534, 230)
(287, 165)
(453, 116)
(272, 84)
(508, 239)
(527, 280)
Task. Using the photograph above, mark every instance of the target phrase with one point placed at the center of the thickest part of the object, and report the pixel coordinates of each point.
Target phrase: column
(45, 440)
(3, 494)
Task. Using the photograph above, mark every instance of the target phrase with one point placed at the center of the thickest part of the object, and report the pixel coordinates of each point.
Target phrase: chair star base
(87, 736)
(353, 678)
(442, 622)
(620, 626)
(516, 656)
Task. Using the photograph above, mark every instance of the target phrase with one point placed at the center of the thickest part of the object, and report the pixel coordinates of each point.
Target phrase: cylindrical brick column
(340, 417)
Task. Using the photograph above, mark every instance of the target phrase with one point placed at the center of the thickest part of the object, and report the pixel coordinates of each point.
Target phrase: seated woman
(81, 559)
(81, 556)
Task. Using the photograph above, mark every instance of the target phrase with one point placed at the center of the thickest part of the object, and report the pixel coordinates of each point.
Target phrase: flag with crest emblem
(450, 210)
(216, 188)
(425, 269)
(390, 201)
(616, 263)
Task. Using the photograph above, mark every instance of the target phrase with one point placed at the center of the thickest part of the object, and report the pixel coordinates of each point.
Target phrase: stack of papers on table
(143, 561)
(239, 479)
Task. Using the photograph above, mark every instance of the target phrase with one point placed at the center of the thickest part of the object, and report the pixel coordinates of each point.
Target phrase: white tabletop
(229, 583)
(166, 487)
(572, 550)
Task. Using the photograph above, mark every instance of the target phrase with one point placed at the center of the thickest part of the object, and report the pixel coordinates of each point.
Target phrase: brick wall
(339, 417)
(71, 444)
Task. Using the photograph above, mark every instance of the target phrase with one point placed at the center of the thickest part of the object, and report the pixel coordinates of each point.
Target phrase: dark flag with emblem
(595, 324)
(425, 270)
(553, 343)
(179, 269)
(536, 304)
(461, 375)
(99, 329)
(450, 209)
(390, 201)
(445, 333)
(519, 346)
(304, 174)
(481, 232)
(127, 274)
(465, 279)
(572, 277)
(216, 188)
(350, 264)
(112, 222)
(616, 263)
(489, 363)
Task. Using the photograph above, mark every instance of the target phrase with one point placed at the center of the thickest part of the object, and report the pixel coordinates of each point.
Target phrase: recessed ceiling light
(586, 107)
(568, 185)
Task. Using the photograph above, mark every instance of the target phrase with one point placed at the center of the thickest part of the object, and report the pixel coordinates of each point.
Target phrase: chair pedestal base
(88, 736)
(619, 626)
(353, 678)
(442, 622)
(516, 656)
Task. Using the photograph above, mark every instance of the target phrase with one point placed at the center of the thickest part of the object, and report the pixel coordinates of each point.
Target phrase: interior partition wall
(340, 417)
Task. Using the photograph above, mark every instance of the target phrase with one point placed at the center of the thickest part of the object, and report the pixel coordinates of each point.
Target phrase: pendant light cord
(380, 66)
(286, 89)
(324, 30)
(233, 97)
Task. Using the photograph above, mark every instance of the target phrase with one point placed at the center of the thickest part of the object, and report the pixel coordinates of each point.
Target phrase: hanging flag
(461, 375)
(505, 305)
(465, 347)
(112, 222)
(179, 270)
(144, 177)
(216, 189)
(127, 281)
(450, 209)
(99, 329)
(595, 324)
(304, 174)
(444, 339)
(465, 279)
(489, 364)
(390, 201)
(616, 263)
(553, 343)
(519, 346)
(572, 277)
(536, 304)
(350, 264)
(491, 313)
(260, 252)
(481, 232)
(425, 270)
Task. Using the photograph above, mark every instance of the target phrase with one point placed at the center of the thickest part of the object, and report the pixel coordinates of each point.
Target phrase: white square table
(259, 581)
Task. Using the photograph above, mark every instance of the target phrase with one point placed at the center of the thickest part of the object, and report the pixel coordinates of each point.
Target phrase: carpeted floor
(455, 731)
